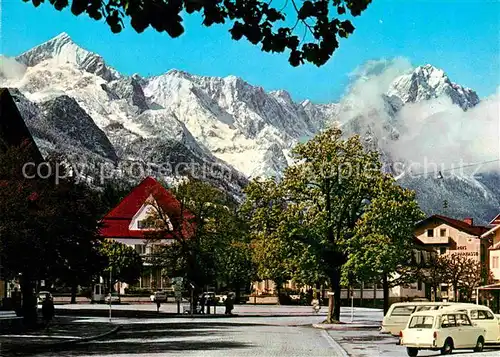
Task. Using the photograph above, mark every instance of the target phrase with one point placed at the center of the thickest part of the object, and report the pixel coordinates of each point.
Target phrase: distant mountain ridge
(73, 102)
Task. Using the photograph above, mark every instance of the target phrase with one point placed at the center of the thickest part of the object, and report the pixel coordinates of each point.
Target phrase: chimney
(469, 221)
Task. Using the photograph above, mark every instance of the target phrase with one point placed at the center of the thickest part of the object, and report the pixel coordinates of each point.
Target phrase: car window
(403, 310)
(474, 315)
(487, 315)
(481, 315)
(463, 320)
(421, 322)
(424, 308)
(448, 321)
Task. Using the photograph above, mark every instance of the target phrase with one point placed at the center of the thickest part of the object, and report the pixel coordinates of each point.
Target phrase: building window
(140, 248)
(494, 263)
(442, 250)
(442, 232)
(430, 233)
(145, 224)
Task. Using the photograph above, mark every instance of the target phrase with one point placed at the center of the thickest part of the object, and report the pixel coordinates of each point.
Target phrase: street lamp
(110, 286)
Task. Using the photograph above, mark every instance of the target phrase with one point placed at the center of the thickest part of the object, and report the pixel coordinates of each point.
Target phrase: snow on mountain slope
(239, 123)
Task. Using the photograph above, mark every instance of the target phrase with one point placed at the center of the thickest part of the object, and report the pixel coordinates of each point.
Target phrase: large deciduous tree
(334, 189)
(310, 30)
(327, 191)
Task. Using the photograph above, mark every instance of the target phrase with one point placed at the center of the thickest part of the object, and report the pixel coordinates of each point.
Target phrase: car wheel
(412, 351)
(448, 347)
(479, 344)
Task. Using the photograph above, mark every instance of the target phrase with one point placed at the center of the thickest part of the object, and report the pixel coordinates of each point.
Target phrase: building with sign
(449, 236)
(130, 223)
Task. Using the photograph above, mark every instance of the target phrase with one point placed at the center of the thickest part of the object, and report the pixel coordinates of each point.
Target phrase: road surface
(231, 337)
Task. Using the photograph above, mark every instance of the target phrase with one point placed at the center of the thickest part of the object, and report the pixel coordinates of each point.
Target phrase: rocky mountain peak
(61, 49)
(428, 82)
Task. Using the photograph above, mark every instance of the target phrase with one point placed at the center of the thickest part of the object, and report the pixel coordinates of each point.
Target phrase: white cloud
(10, 68)
(433, 131)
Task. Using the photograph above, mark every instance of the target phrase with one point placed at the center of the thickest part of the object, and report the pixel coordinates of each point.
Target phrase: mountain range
(225, 129)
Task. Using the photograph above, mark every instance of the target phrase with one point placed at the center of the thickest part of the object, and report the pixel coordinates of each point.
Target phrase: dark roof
(460, 225)
(116, 223)
(13, 129)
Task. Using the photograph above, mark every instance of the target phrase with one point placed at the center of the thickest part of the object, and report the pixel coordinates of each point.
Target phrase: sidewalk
(62, 331)
(359, 319)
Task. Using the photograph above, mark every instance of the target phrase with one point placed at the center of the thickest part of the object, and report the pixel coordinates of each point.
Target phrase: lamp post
(110, 287)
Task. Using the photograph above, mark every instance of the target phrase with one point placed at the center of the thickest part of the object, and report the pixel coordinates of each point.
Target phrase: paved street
(208, 337)
(267, 331)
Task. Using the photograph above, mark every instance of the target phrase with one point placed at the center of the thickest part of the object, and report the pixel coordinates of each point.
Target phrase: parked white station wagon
(483, 317)
(441, 330)
(399, 313)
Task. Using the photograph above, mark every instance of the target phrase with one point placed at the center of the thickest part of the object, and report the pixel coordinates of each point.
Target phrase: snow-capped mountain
(427, 82)
(61, 49)
(225, 129)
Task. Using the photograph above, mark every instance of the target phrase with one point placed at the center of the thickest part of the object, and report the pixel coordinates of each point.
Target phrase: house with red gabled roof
(132, 223)
(450, 236)
(493, 236)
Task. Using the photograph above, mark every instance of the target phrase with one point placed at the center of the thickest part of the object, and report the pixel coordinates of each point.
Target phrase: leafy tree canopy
(271, 25)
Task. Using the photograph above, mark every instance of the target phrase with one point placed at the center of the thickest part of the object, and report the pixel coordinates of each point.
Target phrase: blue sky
(461, 37)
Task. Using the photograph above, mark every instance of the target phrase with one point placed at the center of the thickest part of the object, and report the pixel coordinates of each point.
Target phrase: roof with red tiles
(116, 223)
(460, 225)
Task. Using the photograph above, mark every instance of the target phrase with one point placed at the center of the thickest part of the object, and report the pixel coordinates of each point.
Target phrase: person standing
(203, 301)
(229, 304)
(47, 310)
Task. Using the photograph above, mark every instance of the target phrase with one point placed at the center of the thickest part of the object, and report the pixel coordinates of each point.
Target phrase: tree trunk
(334, 311)
(74, 288)
(29, 301)
(385, 285)
(278, 290)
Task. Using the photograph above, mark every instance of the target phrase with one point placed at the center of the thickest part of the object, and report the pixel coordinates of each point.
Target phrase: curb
(61, 344)
(345, 327)
(334, 344)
